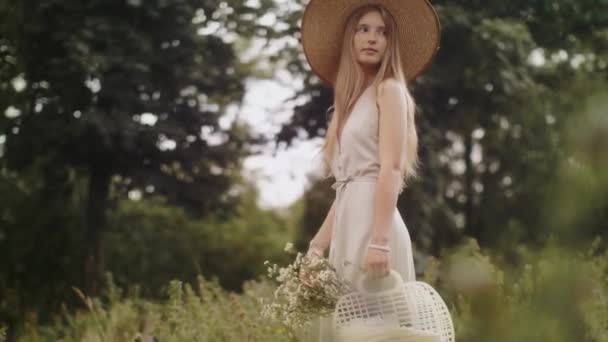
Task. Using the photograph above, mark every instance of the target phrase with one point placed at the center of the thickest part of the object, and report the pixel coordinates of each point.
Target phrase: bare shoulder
(390, 87)
(391, 95)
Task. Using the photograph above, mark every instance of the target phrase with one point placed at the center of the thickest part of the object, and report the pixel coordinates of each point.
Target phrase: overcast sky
(281, 178)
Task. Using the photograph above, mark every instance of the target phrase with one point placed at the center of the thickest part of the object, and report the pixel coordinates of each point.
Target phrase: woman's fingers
(302, 274)
(304, 278)
(377, 264)
(382, 268)
(378, 268)
(374, 270)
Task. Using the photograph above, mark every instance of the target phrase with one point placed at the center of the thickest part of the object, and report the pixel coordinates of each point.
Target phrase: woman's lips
(369, 50)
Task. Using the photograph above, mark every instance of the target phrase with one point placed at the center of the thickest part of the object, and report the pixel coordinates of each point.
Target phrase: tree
(129, 91)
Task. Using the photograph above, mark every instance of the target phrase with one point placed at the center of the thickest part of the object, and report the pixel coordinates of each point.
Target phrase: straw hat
(323, 28)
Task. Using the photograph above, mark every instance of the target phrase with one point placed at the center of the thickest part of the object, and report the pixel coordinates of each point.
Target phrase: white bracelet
(382, 248)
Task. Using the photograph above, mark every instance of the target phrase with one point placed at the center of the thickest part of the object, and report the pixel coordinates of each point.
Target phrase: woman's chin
(368, 63)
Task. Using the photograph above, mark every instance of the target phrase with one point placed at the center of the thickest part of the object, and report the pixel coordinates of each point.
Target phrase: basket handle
(393, 278)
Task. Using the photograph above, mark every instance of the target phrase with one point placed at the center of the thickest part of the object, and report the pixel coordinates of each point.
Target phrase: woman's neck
(369, 73)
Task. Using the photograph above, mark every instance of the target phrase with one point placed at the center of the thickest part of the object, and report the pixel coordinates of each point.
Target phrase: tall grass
(202, 313)
(555, 295)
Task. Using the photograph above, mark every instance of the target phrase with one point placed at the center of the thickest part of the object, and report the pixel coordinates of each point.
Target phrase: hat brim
(323, 26)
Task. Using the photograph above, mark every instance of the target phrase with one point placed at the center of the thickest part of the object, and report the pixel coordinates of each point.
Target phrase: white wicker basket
(394, 311)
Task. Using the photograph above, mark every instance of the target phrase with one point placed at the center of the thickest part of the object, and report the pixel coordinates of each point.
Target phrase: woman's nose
(372, 37)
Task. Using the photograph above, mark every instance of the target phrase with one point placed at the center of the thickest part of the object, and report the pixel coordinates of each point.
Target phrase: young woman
(368, 50)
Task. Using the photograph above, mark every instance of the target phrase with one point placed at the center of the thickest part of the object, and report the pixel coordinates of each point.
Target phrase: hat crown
(324, 22)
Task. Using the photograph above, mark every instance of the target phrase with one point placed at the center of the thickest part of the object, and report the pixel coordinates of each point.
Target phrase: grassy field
(554, 295)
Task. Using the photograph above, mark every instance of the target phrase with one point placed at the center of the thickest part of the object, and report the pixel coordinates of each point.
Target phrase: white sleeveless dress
(355, 166)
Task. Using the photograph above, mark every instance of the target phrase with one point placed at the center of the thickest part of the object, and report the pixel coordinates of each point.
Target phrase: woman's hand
(312, 252)
(377, 263)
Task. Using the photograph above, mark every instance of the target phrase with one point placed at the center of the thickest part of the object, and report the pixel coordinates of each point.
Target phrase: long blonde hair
(349, 85)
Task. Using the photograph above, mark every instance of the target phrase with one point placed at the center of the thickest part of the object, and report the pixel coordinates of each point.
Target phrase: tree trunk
(98, 192)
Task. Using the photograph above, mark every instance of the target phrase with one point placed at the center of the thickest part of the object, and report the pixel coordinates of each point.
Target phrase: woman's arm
(392, 141)
(323, 237)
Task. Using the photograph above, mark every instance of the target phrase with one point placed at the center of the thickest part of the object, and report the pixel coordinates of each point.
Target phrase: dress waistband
(340, 183)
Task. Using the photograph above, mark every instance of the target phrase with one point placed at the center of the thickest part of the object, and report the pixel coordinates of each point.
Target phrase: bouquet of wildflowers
(298, 299)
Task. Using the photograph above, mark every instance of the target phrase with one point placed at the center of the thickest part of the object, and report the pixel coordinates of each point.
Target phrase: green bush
(150, 243)
(554, 295)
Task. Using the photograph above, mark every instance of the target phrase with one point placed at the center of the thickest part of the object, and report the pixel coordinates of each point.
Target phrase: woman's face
(370, 39)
